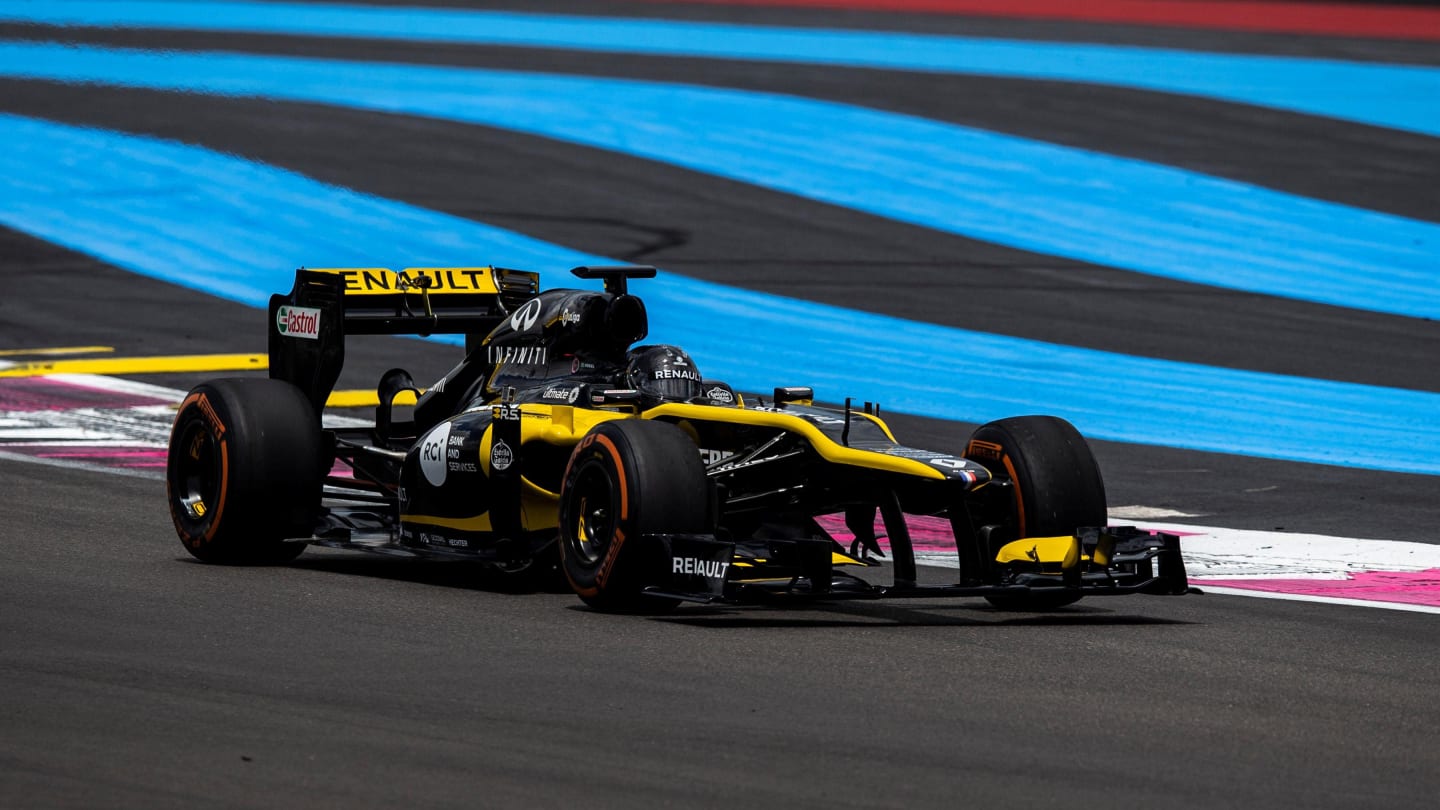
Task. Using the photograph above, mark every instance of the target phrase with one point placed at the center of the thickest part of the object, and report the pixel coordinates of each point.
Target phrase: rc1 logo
(432, 454)
(525, 316)
(298, 322)
(501, 457)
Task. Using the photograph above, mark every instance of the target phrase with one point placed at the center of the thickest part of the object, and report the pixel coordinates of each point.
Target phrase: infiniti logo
(525, 317)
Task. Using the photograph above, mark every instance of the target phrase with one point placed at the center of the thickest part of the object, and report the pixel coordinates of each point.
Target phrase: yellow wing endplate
(1063, 551)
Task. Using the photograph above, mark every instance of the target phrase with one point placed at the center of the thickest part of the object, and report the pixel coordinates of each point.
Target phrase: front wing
(1108, 561)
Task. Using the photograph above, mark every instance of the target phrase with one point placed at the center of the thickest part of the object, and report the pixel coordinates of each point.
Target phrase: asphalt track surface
(131, 676)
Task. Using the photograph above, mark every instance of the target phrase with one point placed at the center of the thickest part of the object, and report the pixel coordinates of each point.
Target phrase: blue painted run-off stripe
(1398, 96)
(224, 225)
(1025, 194)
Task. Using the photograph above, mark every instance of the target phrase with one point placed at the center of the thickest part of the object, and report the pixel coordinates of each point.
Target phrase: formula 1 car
(559, 442)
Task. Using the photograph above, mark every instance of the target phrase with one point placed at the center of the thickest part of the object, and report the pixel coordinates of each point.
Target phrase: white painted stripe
(145, 426)
(1212, 553)
(1328, 600)
(121, 386)
(1146, 513)
(143, 389)
(69, 437)
(70, 464)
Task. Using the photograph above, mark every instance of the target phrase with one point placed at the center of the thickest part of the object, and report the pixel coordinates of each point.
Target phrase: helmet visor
(672, 385)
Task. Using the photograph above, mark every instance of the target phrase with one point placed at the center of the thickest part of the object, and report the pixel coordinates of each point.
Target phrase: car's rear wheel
(1056, 487)
(627, 478)
(244, 471)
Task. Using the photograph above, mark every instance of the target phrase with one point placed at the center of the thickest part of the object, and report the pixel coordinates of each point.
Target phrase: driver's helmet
(663, 374)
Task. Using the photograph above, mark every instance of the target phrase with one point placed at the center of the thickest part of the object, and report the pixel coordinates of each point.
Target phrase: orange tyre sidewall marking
(608, 564)
(583, 590)
(208, 415)
(224, 488)
(617, 536)
(620, 474)
(982, 448)
(1019, 496)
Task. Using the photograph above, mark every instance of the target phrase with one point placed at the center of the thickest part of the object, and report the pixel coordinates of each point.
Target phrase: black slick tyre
(1056, 486)
(244, 471)
(625, 479)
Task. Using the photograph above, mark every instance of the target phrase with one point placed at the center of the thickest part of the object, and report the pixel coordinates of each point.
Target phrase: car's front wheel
(627, 478)
(1055, 487)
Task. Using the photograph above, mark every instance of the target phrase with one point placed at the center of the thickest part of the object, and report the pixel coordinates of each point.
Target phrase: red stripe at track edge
(1378, 21)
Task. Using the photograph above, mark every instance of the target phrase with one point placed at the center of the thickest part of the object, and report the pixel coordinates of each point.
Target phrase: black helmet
(663, 374)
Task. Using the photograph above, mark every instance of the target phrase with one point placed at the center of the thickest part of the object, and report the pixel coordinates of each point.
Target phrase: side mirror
(609, 397)
(719, 393)
(796, 394)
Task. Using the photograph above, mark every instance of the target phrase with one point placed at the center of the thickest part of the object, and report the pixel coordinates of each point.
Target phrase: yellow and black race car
(558, 441)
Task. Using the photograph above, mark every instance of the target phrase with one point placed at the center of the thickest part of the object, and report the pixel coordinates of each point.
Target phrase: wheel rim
(592, 524)
(195, 472)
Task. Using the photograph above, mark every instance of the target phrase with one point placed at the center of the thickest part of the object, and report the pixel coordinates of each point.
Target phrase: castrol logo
(298, 322)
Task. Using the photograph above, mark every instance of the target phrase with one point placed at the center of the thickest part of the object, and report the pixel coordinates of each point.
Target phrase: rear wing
(307, 326)
(420, 300)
